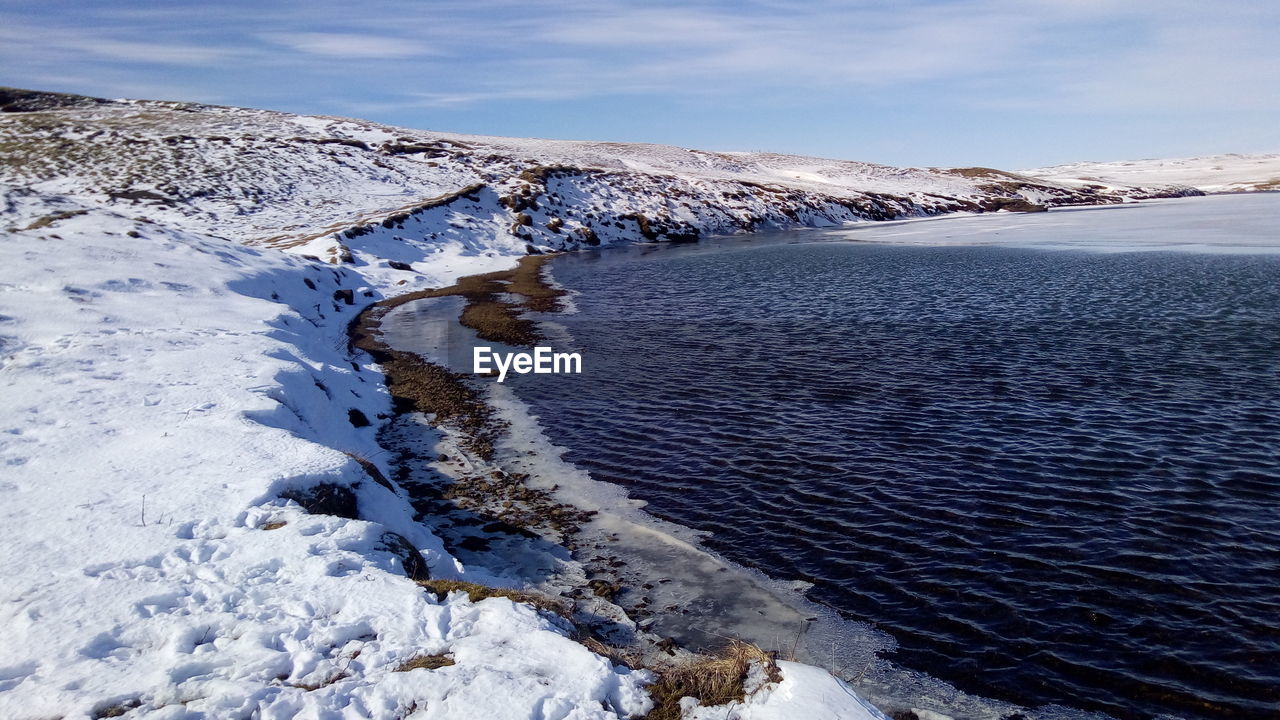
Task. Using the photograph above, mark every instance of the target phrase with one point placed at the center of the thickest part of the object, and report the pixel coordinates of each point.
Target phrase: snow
(160, 393)
(1212, 173)
(805, 692)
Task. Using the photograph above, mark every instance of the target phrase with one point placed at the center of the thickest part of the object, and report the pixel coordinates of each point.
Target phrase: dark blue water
(1053, 477)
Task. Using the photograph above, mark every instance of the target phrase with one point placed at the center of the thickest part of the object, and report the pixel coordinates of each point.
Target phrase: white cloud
(350, 45)
(32, 42)
(154, 52)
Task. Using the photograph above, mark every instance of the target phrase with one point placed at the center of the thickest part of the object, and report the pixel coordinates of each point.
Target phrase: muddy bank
(420, 386)
(449, 399)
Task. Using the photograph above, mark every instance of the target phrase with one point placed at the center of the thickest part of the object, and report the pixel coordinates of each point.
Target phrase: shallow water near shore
(675, 587)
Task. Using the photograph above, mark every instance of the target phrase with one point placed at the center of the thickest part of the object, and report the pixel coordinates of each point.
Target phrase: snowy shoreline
(177, 388)
(590, 533)
(220, 598)
(216, 595)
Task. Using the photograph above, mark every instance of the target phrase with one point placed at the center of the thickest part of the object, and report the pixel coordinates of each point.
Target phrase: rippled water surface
(1052, 476)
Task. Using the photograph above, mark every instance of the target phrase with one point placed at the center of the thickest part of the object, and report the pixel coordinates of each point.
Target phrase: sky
(1003, 83)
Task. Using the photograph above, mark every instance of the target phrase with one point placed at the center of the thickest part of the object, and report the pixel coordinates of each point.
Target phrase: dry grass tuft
(313, 686)
(713, 679)
(476, 593)
(618, 656)
(273, 525)
(371, 470)
(426, 662)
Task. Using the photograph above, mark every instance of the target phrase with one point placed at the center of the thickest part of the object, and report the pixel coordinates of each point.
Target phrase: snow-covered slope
(163, 395)
(1210, 174)
(176, 393)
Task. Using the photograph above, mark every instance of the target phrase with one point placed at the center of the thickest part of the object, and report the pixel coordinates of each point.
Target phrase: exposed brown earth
(419, 386)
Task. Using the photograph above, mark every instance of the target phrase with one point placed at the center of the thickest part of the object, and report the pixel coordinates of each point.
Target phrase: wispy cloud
(1035, 52)
(68, 45)
(350, 45)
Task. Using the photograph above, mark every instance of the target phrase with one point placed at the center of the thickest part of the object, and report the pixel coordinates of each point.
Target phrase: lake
(1041, 452)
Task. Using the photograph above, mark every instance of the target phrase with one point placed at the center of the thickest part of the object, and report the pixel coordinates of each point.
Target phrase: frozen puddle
(1224, 224)
(429, 328)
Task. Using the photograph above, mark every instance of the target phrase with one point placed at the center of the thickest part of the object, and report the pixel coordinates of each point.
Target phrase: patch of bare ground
(981, 172)
(313, 686)
(1015, 204)
(426, 662)
(115, 710)
(713, 679)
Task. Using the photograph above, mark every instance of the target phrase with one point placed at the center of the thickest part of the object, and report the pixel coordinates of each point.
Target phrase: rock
(326, 499)
(1012, 205)
(410, 559)
(605, 589)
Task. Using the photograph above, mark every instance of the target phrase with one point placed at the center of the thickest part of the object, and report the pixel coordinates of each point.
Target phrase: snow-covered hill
(176, 391)
(1210, 174)
(276, 179)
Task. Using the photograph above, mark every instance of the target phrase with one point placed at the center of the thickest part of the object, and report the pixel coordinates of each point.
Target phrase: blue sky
(1006, 83)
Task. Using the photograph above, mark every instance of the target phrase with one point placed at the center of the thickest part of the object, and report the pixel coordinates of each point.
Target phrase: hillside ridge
(318, 185)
